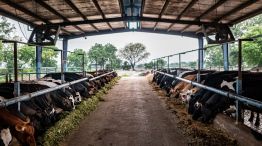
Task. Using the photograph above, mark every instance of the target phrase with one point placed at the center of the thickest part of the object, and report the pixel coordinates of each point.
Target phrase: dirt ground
(131, 115)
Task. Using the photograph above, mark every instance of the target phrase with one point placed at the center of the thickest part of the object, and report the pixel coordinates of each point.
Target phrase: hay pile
(197, 133)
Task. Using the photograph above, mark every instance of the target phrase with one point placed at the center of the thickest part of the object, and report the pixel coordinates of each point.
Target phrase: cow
(22, 130)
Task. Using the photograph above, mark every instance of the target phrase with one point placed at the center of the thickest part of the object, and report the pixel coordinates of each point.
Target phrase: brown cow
(181, 85)
(22, 130)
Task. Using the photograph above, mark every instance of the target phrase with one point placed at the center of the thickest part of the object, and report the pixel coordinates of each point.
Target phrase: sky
(157, 44)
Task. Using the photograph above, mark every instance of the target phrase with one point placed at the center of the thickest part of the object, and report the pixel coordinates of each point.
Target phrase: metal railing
(242, 99)
(41, 92)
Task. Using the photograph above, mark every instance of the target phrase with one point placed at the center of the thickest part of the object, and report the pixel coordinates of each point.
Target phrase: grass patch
(70, 120)
(125, 75)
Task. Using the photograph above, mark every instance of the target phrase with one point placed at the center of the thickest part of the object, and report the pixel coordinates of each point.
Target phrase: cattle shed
(71, 19)
(82, 18)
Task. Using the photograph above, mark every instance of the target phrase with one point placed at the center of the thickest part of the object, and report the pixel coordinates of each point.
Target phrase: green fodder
(70, 120)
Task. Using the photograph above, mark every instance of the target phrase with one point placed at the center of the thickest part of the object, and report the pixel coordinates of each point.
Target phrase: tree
(214, 57)
(75, 58)
(104, 55)
(27, 56)
(126, 66)
(134, 53)
(160, 63)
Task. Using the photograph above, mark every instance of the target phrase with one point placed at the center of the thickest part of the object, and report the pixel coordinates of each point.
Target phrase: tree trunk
(133, 67)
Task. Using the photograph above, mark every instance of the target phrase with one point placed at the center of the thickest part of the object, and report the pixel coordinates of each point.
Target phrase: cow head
(26, 132)
(6, 136)
(186, 96)
(78, 98)
(2, 99)
(71, 98)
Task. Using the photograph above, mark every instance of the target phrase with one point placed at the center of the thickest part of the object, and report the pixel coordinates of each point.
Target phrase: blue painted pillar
(200, 57)
(225, 56)
(38, 61)
(201, 52)
(65, 49)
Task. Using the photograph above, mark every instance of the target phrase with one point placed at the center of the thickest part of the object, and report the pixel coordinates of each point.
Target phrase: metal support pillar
(65, 48)
(83, 65)
(16, 82)
(62, 68)
(157, 64)
(96, 64)
(225, 56)
(168, 70)
(154, 64)
(38, 61)
(179, 60)
(200, 57)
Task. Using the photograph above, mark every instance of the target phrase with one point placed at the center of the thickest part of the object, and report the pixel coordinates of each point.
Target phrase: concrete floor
(132, 115)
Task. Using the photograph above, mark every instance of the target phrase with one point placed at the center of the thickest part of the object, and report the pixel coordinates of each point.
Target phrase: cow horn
(19, 128)
(27, 120)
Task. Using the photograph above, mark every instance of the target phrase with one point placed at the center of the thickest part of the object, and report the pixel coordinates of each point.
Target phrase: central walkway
(132, 115)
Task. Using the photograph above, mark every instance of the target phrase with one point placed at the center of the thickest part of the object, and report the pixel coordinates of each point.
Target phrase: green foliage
(161, 63)
(75, 59)
(6, 29)
(104, 55)
(126, 66)
(252, 51)
(134, 53)
(214, 57)
(149, 65)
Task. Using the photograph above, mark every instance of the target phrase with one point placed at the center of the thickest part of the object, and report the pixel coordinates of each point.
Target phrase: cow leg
(257, 123)
(251, 116)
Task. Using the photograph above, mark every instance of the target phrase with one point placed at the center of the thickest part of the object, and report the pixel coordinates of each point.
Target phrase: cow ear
(19, 128)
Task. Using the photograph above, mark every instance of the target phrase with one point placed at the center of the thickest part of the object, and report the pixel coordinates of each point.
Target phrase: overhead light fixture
(133, 25)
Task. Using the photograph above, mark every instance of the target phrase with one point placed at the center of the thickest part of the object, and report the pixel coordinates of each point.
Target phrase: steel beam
(225, 56)
(38, 61)
(182, 13)
(201, 52)
(73, 6)
(101, 12)
(147, 30)
(52, 10)
(24, 10)
(137, 18)
(162, 11)
(65, 50)
(15, 17)
(247, 16)
(122, 10)
(212, 8)
(238, 8)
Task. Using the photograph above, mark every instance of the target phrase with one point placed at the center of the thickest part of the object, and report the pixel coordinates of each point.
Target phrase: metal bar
(119, 30)
(243, 99)
(38, 61)
(135, 18)
(179, 60)
(15, 62)
(122, 10)
(65, 50)
(225, 56)
(168, 64)
(41, 92)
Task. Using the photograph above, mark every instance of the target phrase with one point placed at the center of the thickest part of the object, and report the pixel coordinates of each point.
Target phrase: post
(62, 67)
(200, 57)
(179, 60)
(65, 48)
(167, 64)
(156, 64)
(16, 82)
(15, 62)
(38, 61)
(96, 64)
(225, 56)
(83, 64)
